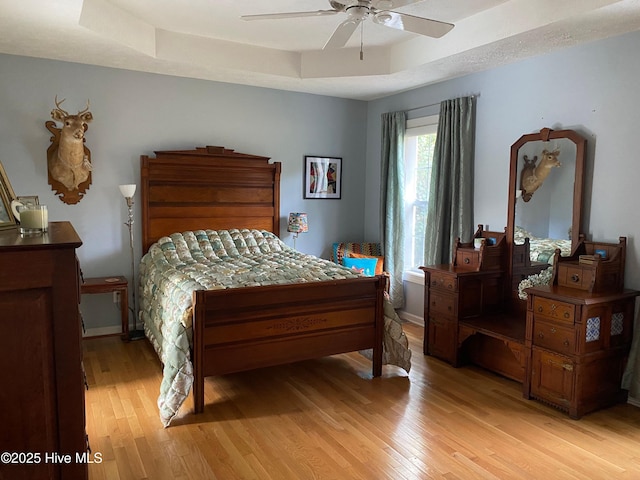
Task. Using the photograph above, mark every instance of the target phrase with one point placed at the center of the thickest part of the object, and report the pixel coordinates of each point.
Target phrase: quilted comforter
(542, 249)
(175, 266)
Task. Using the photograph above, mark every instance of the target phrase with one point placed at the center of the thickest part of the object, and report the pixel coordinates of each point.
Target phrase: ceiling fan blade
(342, 34)
(389, 4)
(411, 23)
(275, 16)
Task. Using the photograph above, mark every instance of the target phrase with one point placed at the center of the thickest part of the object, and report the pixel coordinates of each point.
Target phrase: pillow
(368, 265)
(379, 264)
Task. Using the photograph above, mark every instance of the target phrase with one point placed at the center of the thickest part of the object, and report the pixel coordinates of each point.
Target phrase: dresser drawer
(442, 303)
(441, 280)
(554, 337)
(560, 311)
(576, 276)
(468, 257)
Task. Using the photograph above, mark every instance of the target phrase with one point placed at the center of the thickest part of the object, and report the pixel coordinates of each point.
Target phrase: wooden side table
(109, 285)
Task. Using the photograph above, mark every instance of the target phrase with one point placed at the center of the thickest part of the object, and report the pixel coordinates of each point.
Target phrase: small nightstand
(109, 285)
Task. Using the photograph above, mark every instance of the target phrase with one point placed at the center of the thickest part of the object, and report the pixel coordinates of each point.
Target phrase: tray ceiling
(207, 39)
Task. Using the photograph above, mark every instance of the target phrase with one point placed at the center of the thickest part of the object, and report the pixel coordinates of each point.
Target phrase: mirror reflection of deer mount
(534, 174)
(68, 159)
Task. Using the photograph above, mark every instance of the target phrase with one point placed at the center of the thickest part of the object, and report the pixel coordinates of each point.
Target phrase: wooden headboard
(209, 187)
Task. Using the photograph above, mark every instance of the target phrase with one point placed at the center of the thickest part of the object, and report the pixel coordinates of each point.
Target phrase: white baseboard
(98, 332)
(410, 317)
(634, 401)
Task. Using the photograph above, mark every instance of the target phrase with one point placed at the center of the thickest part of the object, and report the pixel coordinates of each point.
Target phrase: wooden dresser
(41, 376)
(579, 330)
(469, 288)
(579, 346)
(454, 294)
(568, 350)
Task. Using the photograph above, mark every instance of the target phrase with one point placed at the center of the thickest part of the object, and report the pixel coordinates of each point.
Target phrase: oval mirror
(545, 199)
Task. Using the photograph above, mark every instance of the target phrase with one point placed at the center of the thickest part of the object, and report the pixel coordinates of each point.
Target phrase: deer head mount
(532, 175)
(68, 159)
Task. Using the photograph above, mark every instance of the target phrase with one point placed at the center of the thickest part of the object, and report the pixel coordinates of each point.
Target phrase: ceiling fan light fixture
(359, 10)
(358, 13)
(383, 17)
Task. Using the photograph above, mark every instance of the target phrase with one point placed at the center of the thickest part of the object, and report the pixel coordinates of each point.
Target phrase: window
(420, 139)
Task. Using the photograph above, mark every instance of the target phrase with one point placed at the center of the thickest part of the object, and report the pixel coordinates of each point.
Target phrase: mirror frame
(546, 135)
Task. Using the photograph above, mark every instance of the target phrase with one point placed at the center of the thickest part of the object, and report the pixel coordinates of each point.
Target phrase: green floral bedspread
(542, 249)
(176, 266)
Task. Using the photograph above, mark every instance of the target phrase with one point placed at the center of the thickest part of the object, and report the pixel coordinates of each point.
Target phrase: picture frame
(322, 177)
(7, 195)
(29, 200)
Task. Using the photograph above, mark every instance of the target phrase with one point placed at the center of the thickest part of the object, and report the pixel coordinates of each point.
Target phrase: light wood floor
(327, 419)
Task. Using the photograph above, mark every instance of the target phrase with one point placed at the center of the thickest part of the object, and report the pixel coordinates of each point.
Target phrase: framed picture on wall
(29, 200)
(322, 177)
(6, 196)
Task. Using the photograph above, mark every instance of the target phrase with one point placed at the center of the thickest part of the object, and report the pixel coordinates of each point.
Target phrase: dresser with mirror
(549, 341)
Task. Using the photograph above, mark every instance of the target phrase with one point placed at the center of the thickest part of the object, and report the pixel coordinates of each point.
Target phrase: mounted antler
(85, 110)
(59, 111)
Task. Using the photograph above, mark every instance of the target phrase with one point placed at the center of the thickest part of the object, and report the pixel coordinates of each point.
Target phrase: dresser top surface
(459, 270)
(59, 235)
(574, 295)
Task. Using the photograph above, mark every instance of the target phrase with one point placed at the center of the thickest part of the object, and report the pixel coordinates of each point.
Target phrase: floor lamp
(127, 192)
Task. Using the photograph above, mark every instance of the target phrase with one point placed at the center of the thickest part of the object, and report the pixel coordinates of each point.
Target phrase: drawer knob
(540, 309)
(553, 330)
(575, 278)
(566, 315)
(466, 260)
(566, 342)
(565, 366)
(540, 335)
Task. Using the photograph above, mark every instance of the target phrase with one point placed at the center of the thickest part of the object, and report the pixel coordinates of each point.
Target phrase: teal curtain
(450, 208)
(392, 201)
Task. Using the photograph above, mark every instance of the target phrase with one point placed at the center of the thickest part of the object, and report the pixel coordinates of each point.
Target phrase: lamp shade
(298, 223)
(128, 190)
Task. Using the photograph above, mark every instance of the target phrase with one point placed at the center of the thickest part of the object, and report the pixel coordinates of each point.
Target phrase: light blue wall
(137, 113)
(591, 88)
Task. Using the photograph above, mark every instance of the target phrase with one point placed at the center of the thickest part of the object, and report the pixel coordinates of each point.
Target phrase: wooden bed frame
(245, 328)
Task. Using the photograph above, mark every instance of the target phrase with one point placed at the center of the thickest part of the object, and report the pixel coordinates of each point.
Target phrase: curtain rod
(434, 104)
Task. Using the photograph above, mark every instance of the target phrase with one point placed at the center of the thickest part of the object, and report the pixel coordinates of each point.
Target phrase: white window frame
(414, 128)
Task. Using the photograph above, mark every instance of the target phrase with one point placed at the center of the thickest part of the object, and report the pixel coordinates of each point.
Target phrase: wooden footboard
(245, 328)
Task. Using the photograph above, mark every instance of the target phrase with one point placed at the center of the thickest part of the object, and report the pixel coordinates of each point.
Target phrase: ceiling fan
(359, 10)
